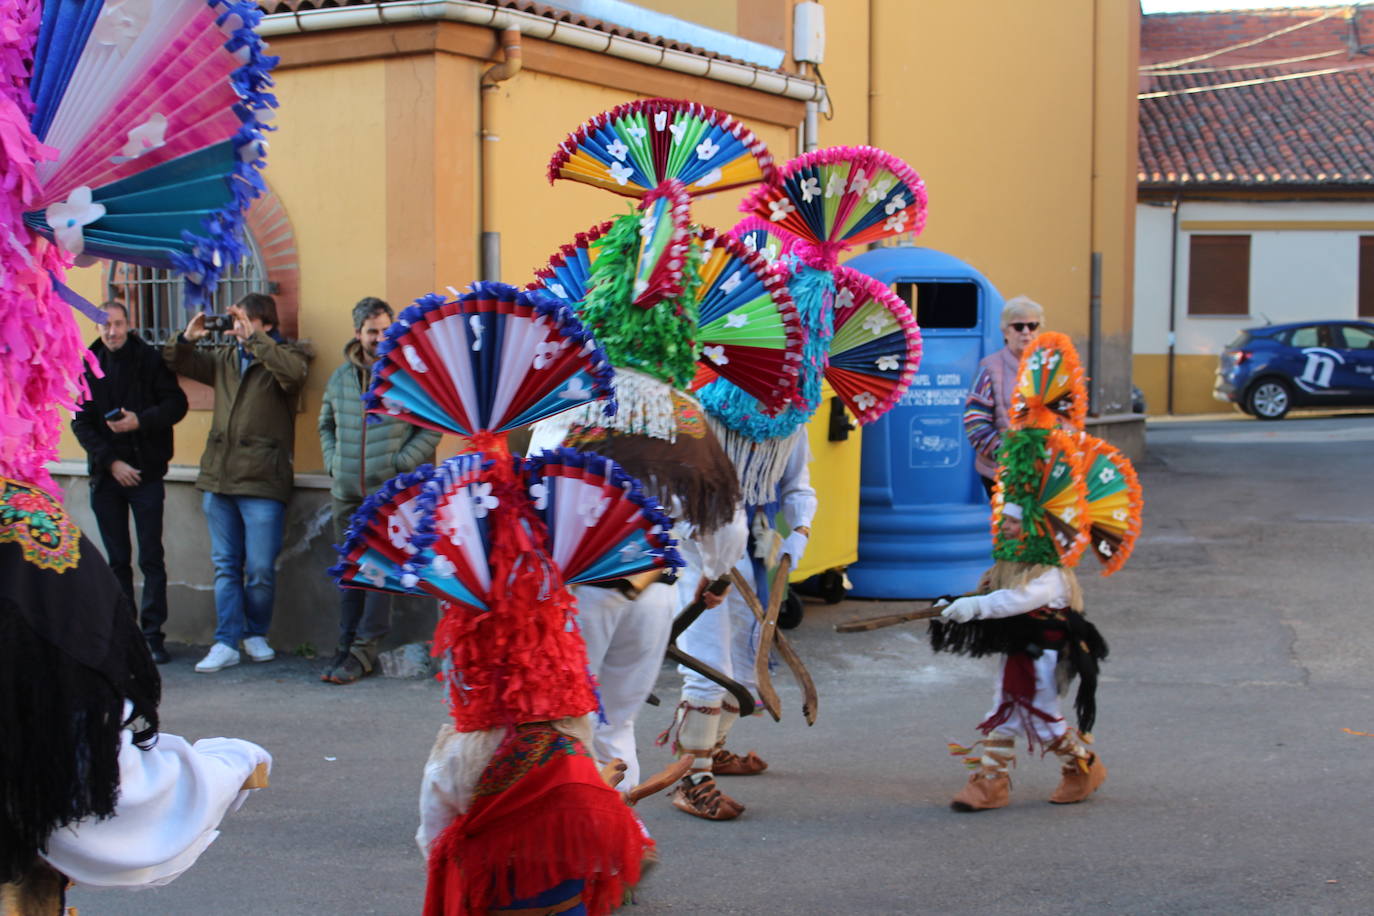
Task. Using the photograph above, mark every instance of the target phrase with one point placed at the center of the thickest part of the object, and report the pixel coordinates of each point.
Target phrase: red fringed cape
(540, 815)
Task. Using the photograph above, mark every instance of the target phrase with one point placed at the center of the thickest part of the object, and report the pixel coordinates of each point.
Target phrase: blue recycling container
(923, 515)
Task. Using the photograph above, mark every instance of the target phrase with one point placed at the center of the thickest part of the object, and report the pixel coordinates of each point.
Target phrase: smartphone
(114, 414)
(219, 322)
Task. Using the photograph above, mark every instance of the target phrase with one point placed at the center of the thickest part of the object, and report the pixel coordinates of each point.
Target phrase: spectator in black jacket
(126, 430)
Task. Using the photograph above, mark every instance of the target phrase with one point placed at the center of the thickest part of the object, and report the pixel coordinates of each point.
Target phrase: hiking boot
(728, 763)
(698, 795)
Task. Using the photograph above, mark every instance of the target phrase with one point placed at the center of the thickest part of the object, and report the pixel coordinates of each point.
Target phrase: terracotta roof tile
(1310, 131)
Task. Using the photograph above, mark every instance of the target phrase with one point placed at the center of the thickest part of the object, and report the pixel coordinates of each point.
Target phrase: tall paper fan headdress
(661, 151)
(827, 201)
(1042, 472)
(497, 538)
(747, 325)
(1050, 388)
(128, 131)
(1115, 502)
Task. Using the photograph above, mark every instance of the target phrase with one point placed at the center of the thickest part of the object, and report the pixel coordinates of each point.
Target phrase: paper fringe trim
(760, 465)
(645, 408)
(40, 346)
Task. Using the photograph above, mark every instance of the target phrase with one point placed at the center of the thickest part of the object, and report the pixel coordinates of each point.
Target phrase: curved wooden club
(810, 699)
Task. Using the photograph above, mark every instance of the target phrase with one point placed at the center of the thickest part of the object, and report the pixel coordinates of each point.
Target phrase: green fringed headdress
(1042, 472)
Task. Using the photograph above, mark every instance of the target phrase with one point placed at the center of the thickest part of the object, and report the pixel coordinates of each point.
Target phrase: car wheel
(792, 610)
(1269, 399)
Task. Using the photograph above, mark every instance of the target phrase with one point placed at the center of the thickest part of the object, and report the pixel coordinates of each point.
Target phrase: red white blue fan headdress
(496, 537)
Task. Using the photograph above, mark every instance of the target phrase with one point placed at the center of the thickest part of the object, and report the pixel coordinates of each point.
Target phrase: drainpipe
(1173, 298)
(491, 240)
(1095, 336)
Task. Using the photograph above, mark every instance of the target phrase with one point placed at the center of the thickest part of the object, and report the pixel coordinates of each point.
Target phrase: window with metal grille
(1219, 275)
(153, 296)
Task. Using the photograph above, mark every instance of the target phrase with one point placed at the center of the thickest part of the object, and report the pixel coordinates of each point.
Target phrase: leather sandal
(703, 799)
(728, 763)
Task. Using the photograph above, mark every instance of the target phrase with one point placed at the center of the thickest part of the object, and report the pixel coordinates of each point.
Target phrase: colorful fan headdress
(837, 189)
(495, 537)
(661, 151)
(1041, 473)
(1115, 502)
(876, 348)
(134, 134)
(1050, 387)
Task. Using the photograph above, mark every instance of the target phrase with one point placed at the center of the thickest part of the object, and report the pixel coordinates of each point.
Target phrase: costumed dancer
(1059, 492)
(89, 790)
(661, 301)
(514, 812)
(861, 338)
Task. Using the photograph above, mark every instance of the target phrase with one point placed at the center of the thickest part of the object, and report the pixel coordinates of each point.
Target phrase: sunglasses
(1024, 325)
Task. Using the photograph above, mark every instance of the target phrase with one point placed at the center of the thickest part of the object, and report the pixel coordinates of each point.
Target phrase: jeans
(245, 538)
(363, 614)
(111, 504)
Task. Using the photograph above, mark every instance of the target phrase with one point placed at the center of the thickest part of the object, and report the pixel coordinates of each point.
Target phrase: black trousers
(112, 504)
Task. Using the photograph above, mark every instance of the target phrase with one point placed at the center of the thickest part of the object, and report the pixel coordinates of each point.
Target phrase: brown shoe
(727, 763)
(702, 799)
(984, 791)
(360, 662)
(1078, 780)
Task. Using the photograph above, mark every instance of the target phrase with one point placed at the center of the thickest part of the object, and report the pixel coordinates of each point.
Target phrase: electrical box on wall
(808, 33)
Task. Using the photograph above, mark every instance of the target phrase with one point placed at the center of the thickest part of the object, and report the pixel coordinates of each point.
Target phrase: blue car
(1266, 371)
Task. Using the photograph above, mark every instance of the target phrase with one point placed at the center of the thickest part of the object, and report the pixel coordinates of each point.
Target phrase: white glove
(962, 610)
(794, 545)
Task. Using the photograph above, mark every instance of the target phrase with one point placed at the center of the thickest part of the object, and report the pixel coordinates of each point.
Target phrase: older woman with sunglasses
(988, 409)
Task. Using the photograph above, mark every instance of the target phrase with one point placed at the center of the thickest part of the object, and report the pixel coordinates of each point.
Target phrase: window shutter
(1219, 275)
(1366, 309)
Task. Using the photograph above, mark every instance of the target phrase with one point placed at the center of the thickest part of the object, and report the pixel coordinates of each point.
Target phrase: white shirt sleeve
(455, 764)
(548, 434)
(797, 496)
(171, 801)
(1049, 589)
(716, 553)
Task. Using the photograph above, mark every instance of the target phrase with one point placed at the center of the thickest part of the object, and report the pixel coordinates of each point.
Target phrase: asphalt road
(1241, 654)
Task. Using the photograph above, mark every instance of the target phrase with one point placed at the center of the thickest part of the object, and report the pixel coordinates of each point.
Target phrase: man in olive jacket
(392, 447)
(245, 473)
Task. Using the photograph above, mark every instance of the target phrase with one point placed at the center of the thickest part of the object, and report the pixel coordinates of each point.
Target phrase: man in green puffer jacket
(392, 447)
(246, 475)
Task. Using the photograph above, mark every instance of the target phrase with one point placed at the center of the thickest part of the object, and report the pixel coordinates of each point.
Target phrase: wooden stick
(875, 623)
(810, 698)
(258, 778)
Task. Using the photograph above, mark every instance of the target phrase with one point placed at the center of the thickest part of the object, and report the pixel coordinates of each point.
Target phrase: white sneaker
(219, 656)
(258, 649)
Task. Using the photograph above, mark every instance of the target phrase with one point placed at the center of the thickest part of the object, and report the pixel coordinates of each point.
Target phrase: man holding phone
(126, 430)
